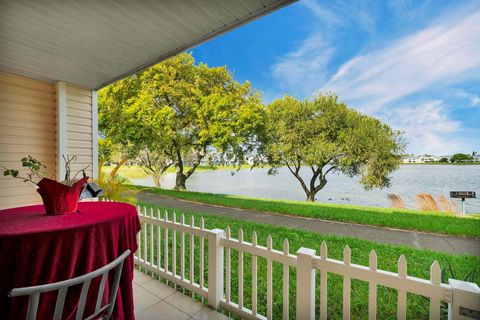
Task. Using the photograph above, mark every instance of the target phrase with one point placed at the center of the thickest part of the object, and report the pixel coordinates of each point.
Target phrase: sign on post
(463, 195)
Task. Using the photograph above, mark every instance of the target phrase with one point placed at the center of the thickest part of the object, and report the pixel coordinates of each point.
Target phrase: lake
(407, 182)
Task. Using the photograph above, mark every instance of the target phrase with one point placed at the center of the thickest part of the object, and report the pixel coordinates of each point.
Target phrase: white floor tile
(143, 299)
(162, 311)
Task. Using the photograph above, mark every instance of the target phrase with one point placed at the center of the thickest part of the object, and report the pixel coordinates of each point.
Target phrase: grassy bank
(434, 222)
(419, 262)
(136, 172)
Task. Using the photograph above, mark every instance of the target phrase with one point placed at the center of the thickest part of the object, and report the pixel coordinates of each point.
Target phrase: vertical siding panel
(79, 133)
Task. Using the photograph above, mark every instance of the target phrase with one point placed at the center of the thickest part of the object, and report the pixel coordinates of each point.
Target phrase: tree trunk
(157, 177)
(180, 181)
(311, 196)
(117, 167)
(101, 161)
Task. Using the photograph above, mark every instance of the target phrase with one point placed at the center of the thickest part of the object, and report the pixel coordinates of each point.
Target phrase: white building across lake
(425, 158)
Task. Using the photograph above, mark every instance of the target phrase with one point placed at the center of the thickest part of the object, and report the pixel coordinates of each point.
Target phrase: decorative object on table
(58, 197)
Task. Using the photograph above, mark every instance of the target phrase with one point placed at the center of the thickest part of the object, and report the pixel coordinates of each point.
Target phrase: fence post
(465, 303)
(305, 284)
(215, 268)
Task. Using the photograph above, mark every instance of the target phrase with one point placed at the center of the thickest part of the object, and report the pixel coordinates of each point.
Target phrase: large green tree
(117, 127)
(182, 111)
(326, 136)
(198, 109)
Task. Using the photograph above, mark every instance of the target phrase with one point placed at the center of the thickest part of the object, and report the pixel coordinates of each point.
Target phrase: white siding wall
(28, 127)
(79, 127)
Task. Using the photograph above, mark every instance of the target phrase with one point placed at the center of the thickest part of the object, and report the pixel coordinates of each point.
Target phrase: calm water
(408, 181)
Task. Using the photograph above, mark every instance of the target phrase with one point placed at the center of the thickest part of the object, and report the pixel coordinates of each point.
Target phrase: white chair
(62, 287)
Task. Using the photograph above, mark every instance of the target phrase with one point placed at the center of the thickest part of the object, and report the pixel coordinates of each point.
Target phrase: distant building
(425, 158)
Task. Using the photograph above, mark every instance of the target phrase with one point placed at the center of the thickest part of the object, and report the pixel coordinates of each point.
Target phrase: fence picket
(159, 243)
(145, 258)
(174, 245)
(286, 282)
(192, 252)
(402, 294)
(372, 287)
(323, 283)
(165, 244)
(152, 259)
(182, 248)
(347, 259)
(435, 277)
(269, 280)
(228, 273)
(139, 243)
(254, 276)
(202, 253)
(240, 271)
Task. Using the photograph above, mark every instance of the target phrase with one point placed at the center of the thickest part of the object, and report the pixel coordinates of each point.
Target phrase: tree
(116, 125)
(178, 110)
(325, 136)
(197, 109)
(443, 160)
(154, 163)
(105, 152)
(461, 157)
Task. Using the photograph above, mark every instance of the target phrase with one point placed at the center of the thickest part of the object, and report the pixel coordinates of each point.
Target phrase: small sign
(462, 194)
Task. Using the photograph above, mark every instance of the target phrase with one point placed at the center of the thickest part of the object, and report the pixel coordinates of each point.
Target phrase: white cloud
(326, 16)
(444, 53)
(471, 97)
(428, 127)
(304, 69)
(342, 13)
(475, 100)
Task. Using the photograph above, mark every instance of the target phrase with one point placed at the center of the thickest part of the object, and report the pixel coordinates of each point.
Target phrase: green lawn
(419, 262)
(434, 222)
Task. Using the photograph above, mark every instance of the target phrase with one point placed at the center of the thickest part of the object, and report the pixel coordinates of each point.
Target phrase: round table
(36, 249)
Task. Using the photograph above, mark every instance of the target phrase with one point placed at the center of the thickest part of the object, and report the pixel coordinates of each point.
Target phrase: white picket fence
(157, 254)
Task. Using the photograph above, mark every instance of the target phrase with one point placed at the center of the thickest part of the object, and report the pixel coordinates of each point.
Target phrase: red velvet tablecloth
(37, 249)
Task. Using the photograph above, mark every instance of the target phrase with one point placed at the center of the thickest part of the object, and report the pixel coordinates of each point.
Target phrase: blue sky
(413, 64)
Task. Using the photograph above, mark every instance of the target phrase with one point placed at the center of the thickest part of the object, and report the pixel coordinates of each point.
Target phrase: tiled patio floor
(156, 301)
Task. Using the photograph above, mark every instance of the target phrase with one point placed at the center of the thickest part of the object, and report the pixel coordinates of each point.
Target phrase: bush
(114, 188)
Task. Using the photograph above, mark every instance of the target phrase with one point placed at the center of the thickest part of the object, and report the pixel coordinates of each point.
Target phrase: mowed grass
(419, 262)
(434, 222)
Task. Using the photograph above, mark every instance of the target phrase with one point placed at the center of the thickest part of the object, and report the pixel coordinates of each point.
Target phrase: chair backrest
(62, 287)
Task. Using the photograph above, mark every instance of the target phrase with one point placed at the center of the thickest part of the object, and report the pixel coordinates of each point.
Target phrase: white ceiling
(93, 43)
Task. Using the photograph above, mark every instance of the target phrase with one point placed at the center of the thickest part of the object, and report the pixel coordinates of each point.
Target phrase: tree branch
(316, 173)
(296, 175)
(330, 169)
(199, 156)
